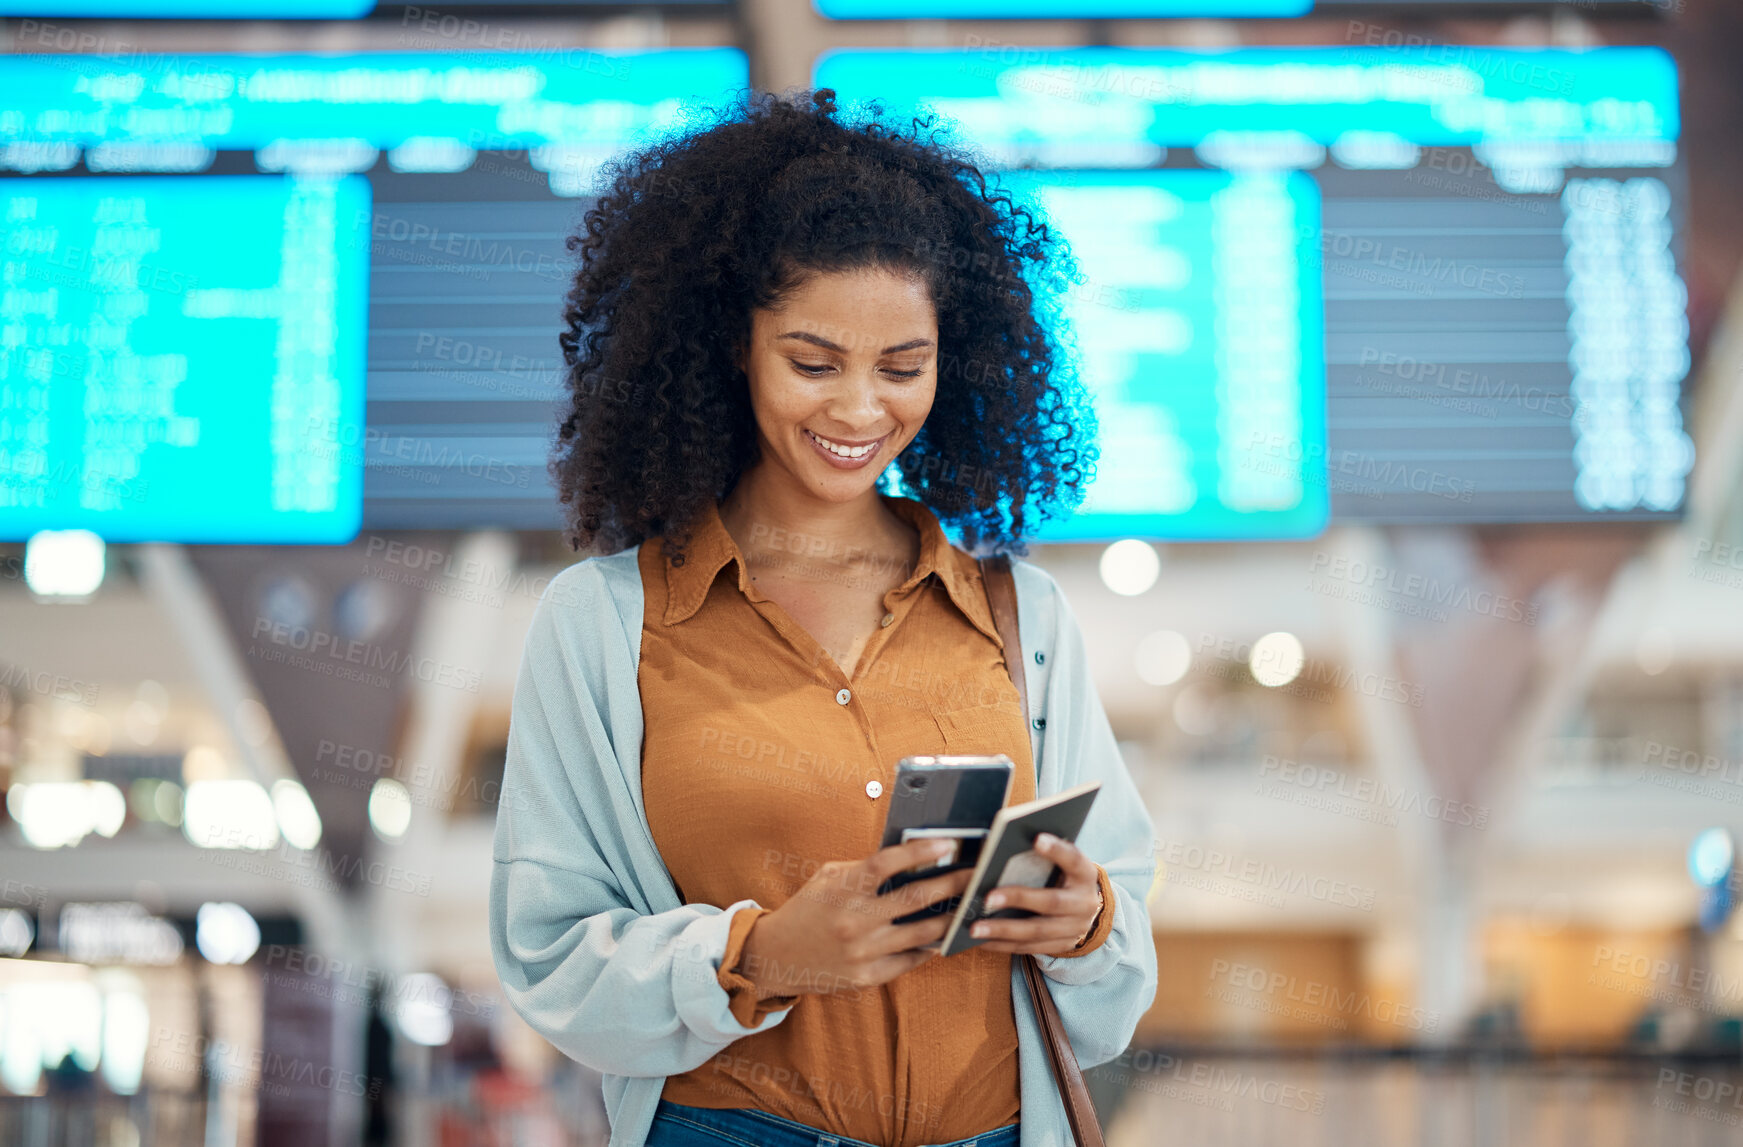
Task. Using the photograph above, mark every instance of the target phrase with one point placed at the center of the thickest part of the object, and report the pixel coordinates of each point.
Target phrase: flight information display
(469, 170)
(575, 105)
(195, 9)
(1503, 334)
(1188, 276)
(1139, 9)
(447, 18)
(159, 381)
(1612, 7)
(1480, 276)
(1019, 9)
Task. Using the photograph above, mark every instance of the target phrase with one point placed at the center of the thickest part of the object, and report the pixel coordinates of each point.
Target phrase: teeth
(843, 451)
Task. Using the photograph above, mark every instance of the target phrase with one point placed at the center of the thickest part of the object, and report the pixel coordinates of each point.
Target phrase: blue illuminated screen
(1476, 258)
(196, 9)
(276, 298)
(1468, 271)
(1020, 9)
(161, 380)
(1189, 276)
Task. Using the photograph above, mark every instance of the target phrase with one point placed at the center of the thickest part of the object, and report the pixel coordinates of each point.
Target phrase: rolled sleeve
(747, 1007)
(1104, 920)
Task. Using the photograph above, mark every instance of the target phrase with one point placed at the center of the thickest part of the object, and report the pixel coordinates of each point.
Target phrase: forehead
(853, 307)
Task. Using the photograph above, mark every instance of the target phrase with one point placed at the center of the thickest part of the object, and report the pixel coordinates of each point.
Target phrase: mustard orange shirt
(758, 765)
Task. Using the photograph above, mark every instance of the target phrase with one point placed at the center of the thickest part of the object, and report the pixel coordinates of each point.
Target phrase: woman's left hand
(1063, 914)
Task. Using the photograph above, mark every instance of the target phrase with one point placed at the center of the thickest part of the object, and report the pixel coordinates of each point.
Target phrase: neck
(760, 505)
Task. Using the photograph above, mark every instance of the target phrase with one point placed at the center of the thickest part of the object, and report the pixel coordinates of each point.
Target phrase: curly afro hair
(696, 231)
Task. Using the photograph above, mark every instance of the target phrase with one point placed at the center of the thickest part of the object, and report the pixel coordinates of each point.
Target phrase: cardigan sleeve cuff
(746, 1006)
(1104, 920)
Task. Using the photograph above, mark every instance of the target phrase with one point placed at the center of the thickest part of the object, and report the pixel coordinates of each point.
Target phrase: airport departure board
(183, 359)
(266, 298)
(1188, 277)
(1484, 259)
(1504, 332)
(1021, 9)
(184, 10)
(1154, 9)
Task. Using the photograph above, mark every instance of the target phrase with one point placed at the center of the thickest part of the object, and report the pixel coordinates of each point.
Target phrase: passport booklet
(1008, 856)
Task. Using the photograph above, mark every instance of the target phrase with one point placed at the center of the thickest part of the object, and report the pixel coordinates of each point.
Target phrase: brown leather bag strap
(1079, 1110)
(1001, 593)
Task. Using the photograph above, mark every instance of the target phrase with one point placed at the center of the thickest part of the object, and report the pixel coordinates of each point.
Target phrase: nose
(856, 402)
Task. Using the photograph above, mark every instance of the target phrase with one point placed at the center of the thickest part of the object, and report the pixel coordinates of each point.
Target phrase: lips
(845, 455)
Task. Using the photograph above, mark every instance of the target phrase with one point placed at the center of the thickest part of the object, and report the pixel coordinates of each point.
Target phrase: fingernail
(996, 900)
(1044, 840)
(980, 929)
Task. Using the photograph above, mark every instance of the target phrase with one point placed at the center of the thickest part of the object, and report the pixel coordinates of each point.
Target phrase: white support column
(1442, 922)
(173, 583)
(460, 631)
(1368, 645)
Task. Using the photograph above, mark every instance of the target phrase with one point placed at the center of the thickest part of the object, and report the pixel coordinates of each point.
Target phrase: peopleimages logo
(1233, 657)
(378, 451)
(1653, 971)
(1421, 587)
(428, 567)
(1467, 382)
(1183, 861)
(47, 684)
(1670, 757)
(1411, 263)
(1315, 994)
(1145, 1068)
(1323, 782)
(1350, 470)
(344, 657)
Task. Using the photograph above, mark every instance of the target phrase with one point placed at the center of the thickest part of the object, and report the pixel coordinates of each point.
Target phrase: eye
(809, 370)
(907, 373)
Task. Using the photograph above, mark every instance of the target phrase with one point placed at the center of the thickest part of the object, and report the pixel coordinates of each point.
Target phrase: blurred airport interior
(1413, 574)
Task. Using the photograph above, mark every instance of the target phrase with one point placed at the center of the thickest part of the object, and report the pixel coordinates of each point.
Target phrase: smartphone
(955, 797)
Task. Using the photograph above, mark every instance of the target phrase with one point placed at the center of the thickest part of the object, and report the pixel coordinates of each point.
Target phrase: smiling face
(842, 377)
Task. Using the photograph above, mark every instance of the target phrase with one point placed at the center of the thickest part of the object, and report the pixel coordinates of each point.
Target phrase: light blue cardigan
(590, 940)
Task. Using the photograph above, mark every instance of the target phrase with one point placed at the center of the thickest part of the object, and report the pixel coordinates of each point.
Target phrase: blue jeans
(679, 1125)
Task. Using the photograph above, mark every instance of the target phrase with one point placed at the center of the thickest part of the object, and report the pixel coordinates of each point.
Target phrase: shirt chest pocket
(983, 729)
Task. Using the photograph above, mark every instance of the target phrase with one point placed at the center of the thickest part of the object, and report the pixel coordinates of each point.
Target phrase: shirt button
(842, 697)
(1040, 658)
(1040, 724)
(874, 789)
(888, 617)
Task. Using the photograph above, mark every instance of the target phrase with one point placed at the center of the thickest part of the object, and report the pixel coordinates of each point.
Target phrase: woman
(767, 314)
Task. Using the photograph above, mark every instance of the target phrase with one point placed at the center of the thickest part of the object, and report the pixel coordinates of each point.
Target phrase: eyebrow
(807, 336)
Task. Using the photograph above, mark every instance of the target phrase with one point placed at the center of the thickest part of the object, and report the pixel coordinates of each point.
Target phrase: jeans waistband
(770, 1130)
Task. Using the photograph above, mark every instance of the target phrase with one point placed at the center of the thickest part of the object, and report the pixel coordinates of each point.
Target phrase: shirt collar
(711, 548)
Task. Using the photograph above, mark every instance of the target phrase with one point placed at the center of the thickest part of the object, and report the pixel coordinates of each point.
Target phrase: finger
(1039, 948)
(886, 862)
(1075, 862)
(889, 967)
(915, 933)
(919, 893)
(1026, 929)
(1046, 901)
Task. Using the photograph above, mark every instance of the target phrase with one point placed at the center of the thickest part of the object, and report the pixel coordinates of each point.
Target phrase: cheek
(911, 409)
(777, 403)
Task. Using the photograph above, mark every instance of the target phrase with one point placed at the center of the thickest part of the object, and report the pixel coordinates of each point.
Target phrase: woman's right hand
(836, 934)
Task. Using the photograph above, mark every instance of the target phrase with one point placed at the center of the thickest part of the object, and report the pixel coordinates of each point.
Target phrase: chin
(835, 487)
